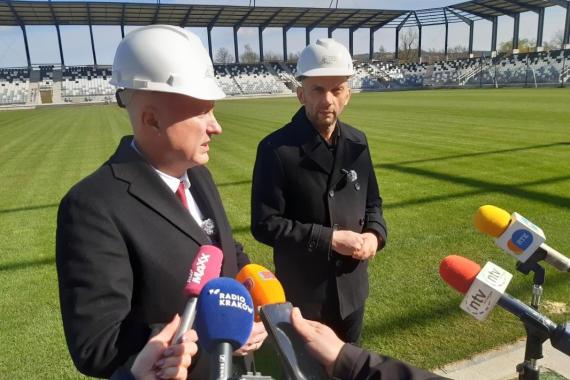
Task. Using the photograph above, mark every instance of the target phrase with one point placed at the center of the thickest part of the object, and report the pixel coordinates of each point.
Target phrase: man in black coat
(315, 198)
(128, 233)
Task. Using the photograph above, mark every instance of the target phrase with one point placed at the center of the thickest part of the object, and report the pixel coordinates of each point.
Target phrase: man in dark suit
(315, 198)
(128, 233)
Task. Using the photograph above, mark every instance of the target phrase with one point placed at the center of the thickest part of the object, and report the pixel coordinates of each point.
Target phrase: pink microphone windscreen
(206, 265)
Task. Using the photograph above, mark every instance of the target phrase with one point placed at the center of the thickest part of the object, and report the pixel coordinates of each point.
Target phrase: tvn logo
(486, 290)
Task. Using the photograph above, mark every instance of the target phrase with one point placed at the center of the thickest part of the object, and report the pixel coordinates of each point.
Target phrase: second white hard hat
(325, 57)
(165, 58)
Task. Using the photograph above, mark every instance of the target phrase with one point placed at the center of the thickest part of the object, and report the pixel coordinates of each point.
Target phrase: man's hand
(321, 341)
(347, 243)
(258, 335)
(369, 247)
(159, 360)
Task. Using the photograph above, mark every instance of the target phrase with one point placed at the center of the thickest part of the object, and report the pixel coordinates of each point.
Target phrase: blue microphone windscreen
(224, 314)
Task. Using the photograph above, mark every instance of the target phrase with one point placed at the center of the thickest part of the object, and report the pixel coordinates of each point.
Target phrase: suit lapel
(349, 148)
(208, 199)
(205, 199)
(146, 186)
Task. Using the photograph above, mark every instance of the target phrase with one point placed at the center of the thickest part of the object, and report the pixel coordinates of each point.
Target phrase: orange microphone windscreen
(492, 220)
(262, 284)
(458, 272)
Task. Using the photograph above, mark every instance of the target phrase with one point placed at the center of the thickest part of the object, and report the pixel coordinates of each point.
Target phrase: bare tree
(249, 56)
(525, 46)
(223, 56)
(293, 57)
(558, 39)
(271, 56)
(408, 46)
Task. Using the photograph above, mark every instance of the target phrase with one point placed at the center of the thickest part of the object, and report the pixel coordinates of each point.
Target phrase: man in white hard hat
(315, 198)
(128, 233)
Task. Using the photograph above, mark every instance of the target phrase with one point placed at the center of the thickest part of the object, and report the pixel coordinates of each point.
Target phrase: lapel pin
(208, 227)
(351, 175)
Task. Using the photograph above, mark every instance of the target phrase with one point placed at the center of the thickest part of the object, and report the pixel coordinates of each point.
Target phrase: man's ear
(348, 97)
(149, 118)
(301, 95)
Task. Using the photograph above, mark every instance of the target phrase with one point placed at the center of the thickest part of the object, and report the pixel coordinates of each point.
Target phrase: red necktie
(181, 194)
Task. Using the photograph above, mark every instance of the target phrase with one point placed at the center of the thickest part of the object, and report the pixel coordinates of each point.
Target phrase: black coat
(299, 194)
(124, 246)
(354, 363)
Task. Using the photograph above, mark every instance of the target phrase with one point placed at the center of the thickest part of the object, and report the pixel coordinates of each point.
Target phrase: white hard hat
(165, 58)
(326, 57)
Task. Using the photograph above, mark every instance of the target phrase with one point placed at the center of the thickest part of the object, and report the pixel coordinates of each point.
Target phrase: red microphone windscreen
(458, 272)
(206, 265)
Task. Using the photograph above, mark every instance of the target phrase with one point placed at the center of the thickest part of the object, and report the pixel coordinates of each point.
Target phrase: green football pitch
(438, 155)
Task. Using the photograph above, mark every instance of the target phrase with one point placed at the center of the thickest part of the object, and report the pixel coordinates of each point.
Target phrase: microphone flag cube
(521, 238)
(488, 287)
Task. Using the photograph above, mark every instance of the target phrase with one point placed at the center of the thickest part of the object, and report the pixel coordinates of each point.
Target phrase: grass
(439, 155)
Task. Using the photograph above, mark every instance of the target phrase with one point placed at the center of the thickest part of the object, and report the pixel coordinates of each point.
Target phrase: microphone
(224, 322)
(483, 288)
(262, 285)
(518, 237)
(206, 265)
(275, 313)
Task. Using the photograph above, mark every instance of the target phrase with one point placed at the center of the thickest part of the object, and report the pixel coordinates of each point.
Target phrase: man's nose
(214, 128)
(328, 98)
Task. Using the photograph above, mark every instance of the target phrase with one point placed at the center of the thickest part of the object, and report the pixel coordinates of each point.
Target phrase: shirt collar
(170, 181)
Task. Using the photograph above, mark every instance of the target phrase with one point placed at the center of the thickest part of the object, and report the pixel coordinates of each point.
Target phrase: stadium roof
(193, 15)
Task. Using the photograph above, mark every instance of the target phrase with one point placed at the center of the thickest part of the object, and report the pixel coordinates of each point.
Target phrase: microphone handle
(527, 314)
(560, 339)
(221, 365)
(187, 319)
(555, 258)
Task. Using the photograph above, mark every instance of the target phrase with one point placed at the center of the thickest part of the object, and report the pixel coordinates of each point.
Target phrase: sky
(77, 48)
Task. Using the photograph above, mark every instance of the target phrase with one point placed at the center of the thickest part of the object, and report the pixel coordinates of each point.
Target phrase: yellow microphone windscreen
(492, 220)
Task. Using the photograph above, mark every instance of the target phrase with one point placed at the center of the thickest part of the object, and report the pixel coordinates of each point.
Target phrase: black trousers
(347, 329)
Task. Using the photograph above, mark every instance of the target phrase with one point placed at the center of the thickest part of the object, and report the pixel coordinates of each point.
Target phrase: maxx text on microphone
(205, 267)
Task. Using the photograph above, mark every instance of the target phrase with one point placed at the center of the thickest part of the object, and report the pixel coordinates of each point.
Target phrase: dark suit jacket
(124, 246)
(354, 363)
(299, 195)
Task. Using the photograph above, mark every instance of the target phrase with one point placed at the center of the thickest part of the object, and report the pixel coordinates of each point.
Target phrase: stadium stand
(365, 77)
(226, 81)
(74, 84)
(46, 76)
(87, 82)
(255, 79)
(285, 74)
(14, 85)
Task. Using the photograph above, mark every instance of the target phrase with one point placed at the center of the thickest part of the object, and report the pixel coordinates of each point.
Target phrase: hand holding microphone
(320, 340)
(271, 307)
(206, 265)
(158, 359)
(518, 237)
